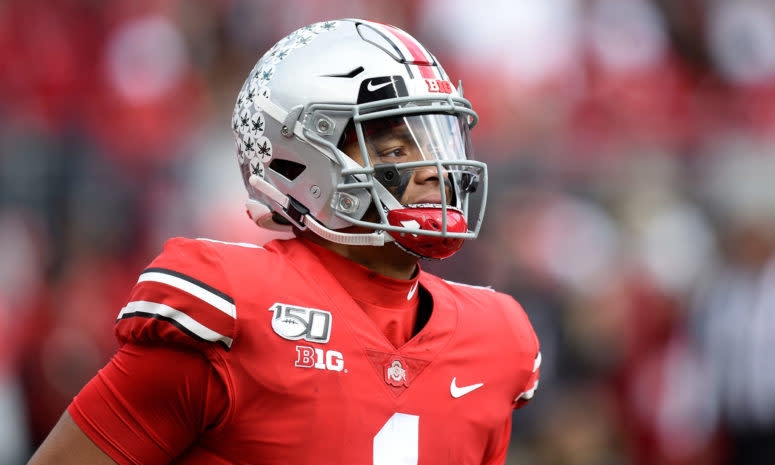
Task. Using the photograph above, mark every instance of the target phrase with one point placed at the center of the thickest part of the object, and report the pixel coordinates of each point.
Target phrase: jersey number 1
(397, 441)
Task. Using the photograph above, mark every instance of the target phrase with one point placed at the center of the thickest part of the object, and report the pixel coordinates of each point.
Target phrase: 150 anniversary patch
(295, 323)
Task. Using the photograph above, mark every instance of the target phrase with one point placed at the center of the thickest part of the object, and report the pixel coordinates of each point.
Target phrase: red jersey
(288, 369)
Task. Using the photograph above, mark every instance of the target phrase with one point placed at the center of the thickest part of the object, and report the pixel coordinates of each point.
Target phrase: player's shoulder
(201, 251)
(186, 294)
(482, 293)
(486, 292)
(486, 304)
(497, 319)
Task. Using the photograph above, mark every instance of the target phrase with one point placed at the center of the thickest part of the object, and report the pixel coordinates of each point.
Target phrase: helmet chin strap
(377, 238)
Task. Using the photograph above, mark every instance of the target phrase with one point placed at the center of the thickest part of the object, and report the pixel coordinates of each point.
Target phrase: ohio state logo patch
(295, 323)
(395, 373)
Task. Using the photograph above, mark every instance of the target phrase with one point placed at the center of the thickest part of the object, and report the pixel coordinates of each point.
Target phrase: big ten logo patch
(294, 323)
(315, 357)
(438, 85)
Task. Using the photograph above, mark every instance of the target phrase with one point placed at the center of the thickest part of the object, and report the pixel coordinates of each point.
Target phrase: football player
(334, 346)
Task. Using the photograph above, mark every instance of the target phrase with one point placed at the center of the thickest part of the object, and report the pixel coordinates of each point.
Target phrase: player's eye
(393, 152)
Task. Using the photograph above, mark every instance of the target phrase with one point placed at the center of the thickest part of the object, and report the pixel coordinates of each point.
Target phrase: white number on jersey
(397, 441)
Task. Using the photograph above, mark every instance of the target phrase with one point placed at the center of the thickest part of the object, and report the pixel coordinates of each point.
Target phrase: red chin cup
(427, 219)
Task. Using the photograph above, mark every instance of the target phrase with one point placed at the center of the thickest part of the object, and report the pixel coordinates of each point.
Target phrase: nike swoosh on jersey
(372, 88)
(463, 390)
(412, 291)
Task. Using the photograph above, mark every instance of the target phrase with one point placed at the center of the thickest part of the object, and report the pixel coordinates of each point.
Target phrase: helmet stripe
(399, 50)
(420, 57)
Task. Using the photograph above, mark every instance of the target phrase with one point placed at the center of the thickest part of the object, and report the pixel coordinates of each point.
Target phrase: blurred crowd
(631, 209)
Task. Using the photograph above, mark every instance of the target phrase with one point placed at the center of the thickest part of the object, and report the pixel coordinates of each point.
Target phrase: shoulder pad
(183, 296)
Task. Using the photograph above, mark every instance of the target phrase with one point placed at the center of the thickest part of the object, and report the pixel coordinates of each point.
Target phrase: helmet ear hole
(287, 168)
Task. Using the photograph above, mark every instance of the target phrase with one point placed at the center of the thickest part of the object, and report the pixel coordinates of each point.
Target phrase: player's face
(407, 139)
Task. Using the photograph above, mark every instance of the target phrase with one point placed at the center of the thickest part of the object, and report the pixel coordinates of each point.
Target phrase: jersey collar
(365, 285)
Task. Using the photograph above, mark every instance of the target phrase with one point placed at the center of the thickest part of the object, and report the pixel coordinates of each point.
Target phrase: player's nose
(427, 174)
(427, 181)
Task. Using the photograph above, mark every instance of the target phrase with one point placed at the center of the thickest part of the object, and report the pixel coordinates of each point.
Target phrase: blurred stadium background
(632, 204)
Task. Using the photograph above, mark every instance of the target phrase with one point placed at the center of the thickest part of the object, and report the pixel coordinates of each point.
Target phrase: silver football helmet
(334, 127)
